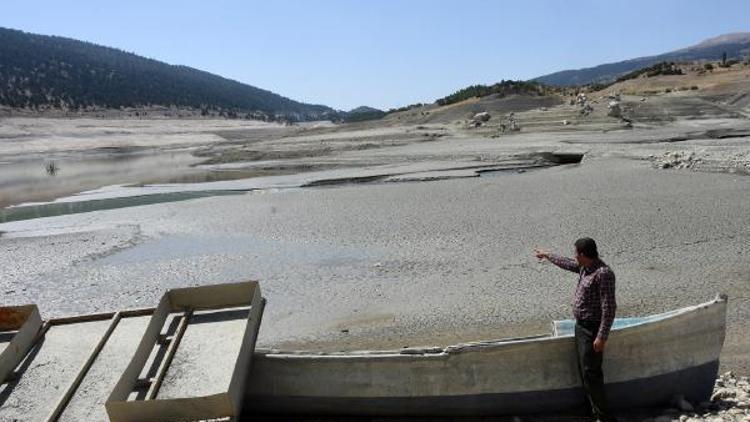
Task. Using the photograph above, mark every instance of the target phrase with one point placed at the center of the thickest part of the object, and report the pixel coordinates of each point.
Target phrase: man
(594, 311)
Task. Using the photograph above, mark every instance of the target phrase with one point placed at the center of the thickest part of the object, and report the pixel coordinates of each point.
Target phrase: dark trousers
(590, 369)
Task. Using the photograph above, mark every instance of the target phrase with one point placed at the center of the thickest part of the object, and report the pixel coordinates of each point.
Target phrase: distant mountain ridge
(364, 109)
(734, 45)
(363, 113)
(40, 72)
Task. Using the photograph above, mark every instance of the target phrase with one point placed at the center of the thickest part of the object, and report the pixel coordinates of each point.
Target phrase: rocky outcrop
(704, 160)
(729, 402)
(677, 159)
(481, 117)
(614, 109)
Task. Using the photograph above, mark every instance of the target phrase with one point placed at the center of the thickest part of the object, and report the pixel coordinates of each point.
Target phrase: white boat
(648, 361)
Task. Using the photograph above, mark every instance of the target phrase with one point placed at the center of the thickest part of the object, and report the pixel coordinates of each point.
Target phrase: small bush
(364, 116)
(694, 87)
(404, 108)
(599, 86)
(661, 68)
(708, 66)
(502, 88)
(668, 90)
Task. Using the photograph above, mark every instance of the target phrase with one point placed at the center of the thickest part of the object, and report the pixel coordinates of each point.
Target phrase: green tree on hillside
(502, 88)
(38, 71)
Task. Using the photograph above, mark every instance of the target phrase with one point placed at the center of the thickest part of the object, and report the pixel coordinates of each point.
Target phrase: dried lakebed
(406, 264)
(382, 265)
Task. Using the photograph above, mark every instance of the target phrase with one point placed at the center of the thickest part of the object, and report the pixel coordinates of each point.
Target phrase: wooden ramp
(187, 359)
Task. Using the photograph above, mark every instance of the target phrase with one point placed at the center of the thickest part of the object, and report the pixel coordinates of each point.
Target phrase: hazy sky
(383, 53)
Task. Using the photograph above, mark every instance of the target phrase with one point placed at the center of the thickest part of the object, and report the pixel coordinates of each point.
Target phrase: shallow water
(31, 184)
(53, 209)
(31, 181)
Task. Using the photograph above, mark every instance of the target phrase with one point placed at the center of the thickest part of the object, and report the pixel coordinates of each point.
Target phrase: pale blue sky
(383, 53)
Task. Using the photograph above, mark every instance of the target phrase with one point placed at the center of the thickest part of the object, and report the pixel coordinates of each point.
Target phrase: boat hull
(645, 364)
(697, 385)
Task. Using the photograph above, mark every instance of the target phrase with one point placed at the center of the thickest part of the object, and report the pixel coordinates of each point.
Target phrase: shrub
(364, 116)
(599, 86)
(661, 68)
(503, 88)
(404, 108)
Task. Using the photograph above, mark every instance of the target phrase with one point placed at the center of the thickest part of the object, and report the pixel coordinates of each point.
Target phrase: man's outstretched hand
(541, 254)
(599, 345)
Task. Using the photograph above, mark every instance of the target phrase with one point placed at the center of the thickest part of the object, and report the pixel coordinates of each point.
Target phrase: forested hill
(41, 72)
(733, 46)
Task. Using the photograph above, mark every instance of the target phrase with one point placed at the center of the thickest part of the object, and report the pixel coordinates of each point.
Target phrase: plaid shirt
(595, 292)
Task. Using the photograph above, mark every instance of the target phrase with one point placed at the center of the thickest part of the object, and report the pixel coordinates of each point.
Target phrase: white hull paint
(648, 360)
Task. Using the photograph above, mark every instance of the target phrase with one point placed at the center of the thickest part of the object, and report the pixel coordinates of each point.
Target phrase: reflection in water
(51, 168)
(30, 181)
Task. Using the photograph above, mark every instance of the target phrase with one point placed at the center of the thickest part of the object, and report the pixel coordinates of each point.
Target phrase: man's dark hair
(587, 247)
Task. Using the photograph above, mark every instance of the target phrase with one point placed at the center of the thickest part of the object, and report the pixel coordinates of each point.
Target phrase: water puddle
(495, 172)
(42, 180)
(36, 181)
(63, 208)
(276, 253)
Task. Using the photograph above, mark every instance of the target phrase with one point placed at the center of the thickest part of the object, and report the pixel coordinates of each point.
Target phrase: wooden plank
(212, 297)
(171, 350)
(87, 403)
(117, 401)
(50, 367)
(63, 401)
(13, 317)
(244, 360)
(27, 321)
(75, 319)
